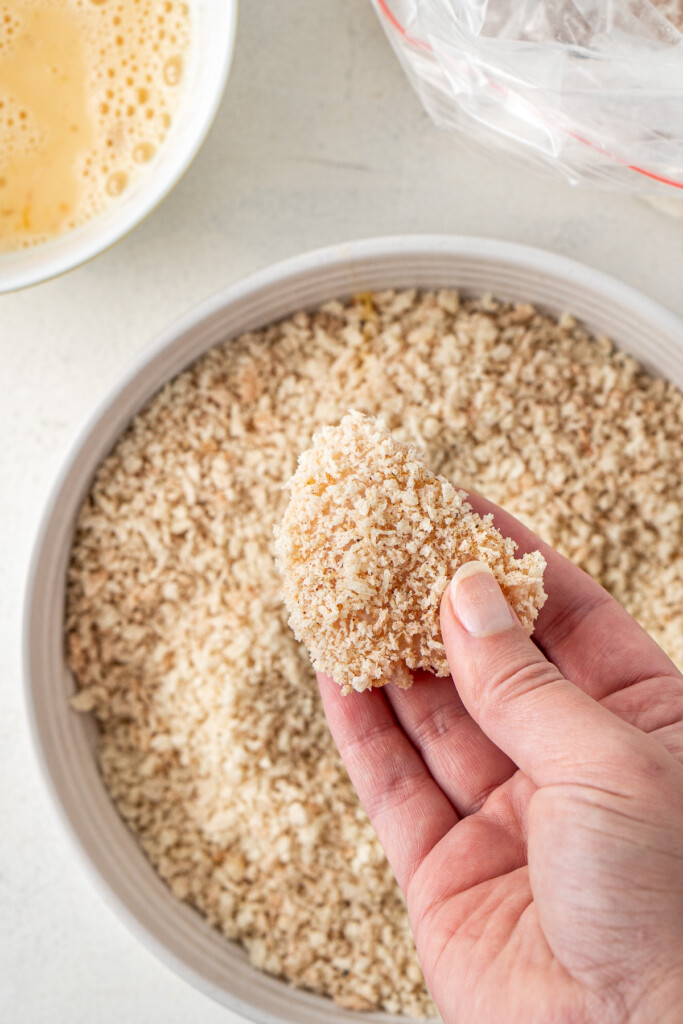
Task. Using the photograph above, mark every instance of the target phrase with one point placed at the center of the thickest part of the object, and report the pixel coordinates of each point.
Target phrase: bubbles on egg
(173, 70)
(10, 24)
(143, 152)
(136, 56)
(18, 130)
(145, 42)
(116, 183)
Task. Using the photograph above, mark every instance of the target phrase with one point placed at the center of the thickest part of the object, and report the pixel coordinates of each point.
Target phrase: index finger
(582, 629)
(408, 810)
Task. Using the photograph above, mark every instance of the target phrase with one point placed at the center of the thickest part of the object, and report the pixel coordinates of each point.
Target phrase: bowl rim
(60, 258)
(342, 255)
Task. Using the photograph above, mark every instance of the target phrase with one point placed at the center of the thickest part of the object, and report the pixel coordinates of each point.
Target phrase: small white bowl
(65, 740)
(212, 42)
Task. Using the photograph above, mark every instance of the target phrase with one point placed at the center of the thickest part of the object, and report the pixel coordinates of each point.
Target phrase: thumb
(549, 727)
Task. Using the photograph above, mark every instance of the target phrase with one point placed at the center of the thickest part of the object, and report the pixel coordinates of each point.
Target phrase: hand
(533, 811)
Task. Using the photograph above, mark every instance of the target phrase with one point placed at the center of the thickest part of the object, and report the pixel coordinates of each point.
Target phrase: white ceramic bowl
(214, 24)
(66, 741)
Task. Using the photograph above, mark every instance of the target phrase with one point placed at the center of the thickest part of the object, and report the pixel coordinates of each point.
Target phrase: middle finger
(463, 761)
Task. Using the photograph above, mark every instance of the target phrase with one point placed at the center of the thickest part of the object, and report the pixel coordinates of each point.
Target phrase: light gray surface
(319, 139)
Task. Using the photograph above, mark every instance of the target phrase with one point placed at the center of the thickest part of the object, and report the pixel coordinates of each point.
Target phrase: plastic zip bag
(590, 88)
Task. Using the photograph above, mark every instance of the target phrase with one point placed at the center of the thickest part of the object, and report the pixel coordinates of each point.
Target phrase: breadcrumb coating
(367, 545)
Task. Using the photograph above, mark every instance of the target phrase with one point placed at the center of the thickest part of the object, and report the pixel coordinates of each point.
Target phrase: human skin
(531, 806)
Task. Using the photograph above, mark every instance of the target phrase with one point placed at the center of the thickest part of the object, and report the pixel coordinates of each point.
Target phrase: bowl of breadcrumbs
(175, 713)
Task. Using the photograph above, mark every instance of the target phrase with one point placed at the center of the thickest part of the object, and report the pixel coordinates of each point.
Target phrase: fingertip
(347, 710)
(329, 692)
(475, 601)
(467, 569)
(325, 681)
(451, 630)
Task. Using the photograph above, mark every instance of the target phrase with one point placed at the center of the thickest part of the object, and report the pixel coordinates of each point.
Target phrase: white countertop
(319, 139)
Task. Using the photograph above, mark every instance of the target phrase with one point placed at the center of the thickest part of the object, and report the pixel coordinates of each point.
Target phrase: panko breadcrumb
(367, 545)
(213, 743)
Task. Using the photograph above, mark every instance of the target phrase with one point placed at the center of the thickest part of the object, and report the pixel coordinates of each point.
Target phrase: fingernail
(478, 601)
